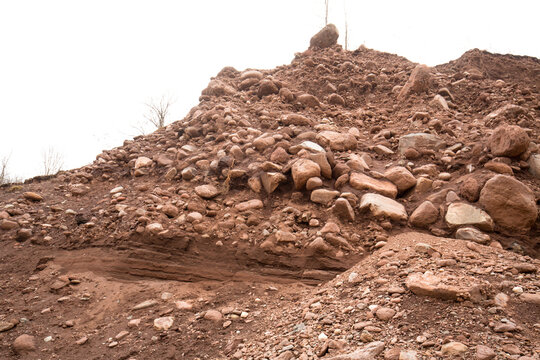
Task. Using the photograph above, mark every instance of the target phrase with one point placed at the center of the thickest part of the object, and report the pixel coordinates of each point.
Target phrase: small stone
(325, 38)
(163, 323)
(213, 315)
(323, 196)
(472, 234)
(145, 304)
(424, 215)
(142, 162)
(24, 344)
(453, 348)
(385, 313)
(207, 191)
(343, 210)
(32, 196)
(484, 353)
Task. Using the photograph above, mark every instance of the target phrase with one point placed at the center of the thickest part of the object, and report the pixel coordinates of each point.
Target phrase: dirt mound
(280, 180)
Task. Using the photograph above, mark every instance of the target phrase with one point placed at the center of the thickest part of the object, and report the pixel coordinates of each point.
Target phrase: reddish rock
(24, 344)
(419, 82)
(470, 189)
(424, 215)
(401, 177)
(302, 170)
(325, 38)
(337, 141)
(363, 182)
(510, 203)
(508, 140)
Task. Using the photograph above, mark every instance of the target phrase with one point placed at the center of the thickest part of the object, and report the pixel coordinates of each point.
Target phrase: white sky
(75, 74)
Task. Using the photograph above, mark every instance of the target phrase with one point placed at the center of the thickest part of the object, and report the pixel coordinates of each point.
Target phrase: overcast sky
(74, 75)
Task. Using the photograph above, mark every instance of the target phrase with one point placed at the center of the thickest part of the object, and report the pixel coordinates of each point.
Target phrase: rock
(280, 155)
(271, 180)
(383, 206)
(313, 183)
(251, 74)
(469, 189)
(343, 210)
(23, 234)
(311, 146)
(143, 162)
(419, 141)
(194, 217)
(337, 141)
(401, 177)
(418, 82)
(319, 246)
(170, 210)
(24, 344)
(367, 352)
(263, 142)
(453, 348)
(510, 203)
(336, 99)
(154, 228)
(363, 182)
(218, 88)
(323, 196)
(508, 140)
(499, 167)
(472, 234)
(460, 214)
(302, 170)
(145, 304)
(213, 315)
(7, 325)
(163, 323)
(308, 100)
(509, 111)
(530, 298)
(267, 87)
(80, 189)
(188, 173)
(32, 196)
(385, 313)
(326, 37)
(424, 215)
(283, 236)
(296, 119)
(534, 165)
(183, 305)
(8, 225)
(207, 191)
(321, 160)
(249, 205)
(429, 284)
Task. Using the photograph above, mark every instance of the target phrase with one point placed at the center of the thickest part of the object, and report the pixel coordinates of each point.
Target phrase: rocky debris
(380, 205)
(510, 203)
(419, 82)
(508, 111)
(509, 140)
(325, 38)
(366, 352)
(361, 181)
(461, 214)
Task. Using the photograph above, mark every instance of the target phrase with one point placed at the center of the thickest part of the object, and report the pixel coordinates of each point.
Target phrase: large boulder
(509, 140)
(419, 82)
(337, 141)
(302, 170)
(461, 214)
(510, 203)
(382, 206)
(325, 38)
(361, 181)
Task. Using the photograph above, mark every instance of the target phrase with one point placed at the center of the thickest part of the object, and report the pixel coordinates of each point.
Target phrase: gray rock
(382, 206)
(472, 234)
(460, 214)
(419, 141)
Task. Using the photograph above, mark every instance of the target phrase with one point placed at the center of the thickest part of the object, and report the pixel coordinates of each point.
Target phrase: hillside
(351, 202)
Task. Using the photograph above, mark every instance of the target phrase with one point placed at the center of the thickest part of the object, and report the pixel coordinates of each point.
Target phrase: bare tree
(4, 178)
(326, 12)
(158, 110)
(52, 161)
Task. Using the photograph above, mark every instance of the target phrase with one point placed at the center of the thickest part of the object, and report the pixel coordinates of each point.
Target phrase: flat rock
(367, 352)
(472, 234)
(461, 214)
(361, 181)
(249, 205)
(323, 196)
(206, 191)
(337, 141)
(163, 323)
(382, 206)
(436, 286)
(145, 304)
(419, 141)
(510, 203)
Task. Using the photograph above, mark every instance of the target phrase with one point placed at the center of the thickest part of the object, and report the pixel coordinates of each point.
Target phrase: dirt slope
(229, 220)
